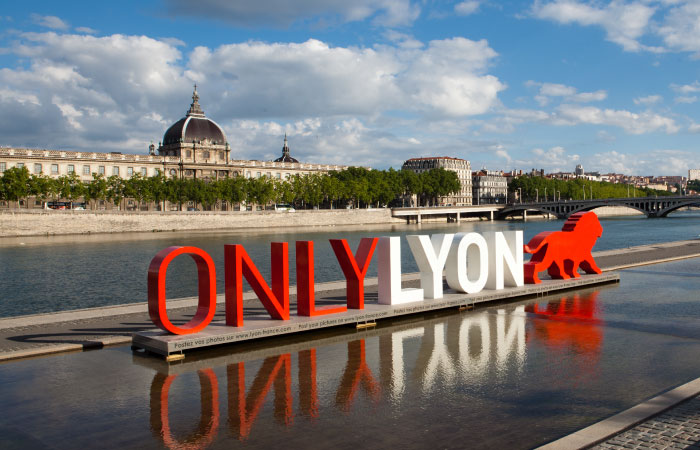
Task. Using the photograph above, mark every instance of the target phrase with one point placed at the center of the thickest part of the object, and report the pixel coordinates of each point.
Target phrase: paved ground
(678, 428)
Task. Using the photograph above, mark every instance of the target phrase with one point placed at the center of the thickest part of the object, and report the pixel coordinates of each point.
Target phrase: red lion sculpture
(561, 253)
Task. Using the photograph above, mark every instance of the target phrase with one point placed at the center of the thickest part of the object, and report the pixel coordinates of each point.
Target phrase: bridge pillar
(458, 217)
(491, 216)
(418, 218)
(524, 215)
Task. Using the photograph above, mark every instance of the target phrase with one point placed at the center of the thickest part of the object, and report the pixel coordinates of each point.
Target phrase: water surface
(503, 376)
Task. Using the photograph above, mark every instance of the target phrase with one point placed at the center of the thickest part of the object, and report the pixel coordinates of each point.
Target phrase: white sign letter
(430, 255)
(389, 274)
(505, 259)
(460, 274)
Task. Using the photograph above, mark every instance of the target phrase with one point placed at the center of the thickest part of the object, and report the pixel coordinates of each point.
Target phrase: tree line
(356, 186)
(540, 188)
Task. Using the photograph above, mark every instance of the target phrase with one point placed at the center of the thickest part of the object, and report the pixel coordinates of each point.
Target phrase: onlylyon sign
(472, 262)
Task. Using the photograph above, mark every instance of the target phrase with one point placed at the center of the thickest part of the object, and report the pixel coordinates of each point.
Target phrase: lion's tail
(527, 248)
(538, 241)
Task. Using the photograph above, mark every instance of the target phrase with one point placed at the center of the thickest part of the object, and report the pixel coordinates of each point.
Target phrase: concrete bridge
(452, 213)
(651, 206)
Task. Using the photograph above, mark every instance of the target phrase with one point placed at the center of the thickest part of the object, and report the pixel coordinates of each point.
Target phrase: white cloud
(67, 96)
(86, 30)
(466, 7)
(686, 88)
(632, 123)
(694, 128)
(648, 100)
(52, 22)
(656, 162)
(681, 28)
(549, 90)
(688, 99)
(311, 78)
(624, 23)
(284, 13)
(554, 159)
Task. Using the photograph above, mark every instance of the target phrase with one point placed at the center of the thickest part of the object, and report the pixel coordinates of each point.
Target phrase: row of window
(87, 169)
(130, 171)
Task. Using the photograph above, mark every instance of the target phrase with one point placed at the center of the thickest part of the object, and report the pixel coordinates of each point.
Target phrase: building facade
(193, 147)
(461, 166)
(489, 187)
(693, 174)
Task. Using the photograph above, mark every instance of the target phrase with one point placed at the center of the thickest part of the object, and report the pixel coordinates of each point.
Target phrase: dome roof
(195, 126)
(286, 157)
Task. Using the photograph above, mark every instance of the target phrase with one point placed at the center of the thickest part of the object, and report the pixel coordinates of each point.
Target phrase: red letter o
(206, 280)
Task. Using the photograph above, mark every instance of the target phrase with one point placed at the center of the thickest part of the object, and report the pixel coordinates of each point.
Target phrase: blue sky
(612, 85)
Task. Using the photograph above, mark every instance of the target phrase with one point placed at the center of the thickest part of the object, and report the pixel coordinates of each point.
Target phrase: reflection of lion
(562, 252)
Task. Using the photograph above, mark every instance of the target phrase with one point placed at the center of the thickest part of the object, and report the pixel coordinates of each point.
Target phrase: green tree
(96, 190)
(233, 189)
(261, 190)
(115, 190)
(42, 187)
(15, 182)
(158, 189)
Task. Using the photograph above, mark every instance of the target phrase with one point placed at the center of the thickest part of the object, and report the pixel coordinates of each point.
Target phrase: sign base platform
(261, 326)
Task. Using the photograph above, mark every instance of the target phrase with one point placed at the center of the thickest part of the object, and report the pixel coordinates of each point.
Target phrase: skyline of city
(516, 85)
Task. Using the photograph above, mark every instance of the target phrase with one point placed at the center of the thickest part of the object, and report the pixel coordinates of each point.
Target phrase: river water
(45, 274)
(509, 376)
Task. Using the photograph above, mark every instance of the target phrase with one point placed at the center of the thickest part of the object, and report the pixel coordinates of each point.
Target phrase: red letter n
(238, 265)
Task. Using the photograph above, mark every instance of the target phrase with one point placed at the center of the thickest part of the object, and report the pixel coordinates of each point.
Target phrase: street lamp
(545, 194)
(583, 188)
(558, 194)
(520, 195)
(537, 195)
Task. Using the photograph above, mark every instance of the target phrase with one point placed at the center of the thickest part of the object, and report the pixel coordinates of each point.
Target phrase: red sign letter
(305, 283)
(238, 265)
(206, 278)
(354, 268)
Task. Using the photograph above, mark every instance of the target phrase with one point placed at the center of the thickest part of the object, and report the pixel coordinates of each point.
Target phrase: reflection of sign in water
(561, 253)
(462, 348)
(209, 416)
(571, 323)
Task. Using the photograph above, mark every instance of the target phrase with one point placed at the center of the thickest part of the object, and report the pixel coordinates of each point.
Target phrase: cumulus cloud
(52, 22)
(687, 99)
(282, 13)
(648, 100)
(632, 123)
(547, 91)
(655, 162)
(466, 7)
(686, 88)
(447, 78)
(83, 103)
(681, 27)
(86, 30)
(624, 23)
(554, 159)
(627, 23)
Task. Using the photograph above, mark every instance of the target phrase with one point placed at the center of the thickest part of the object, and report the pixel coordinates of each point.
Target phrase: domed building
(193, 147)
(195, 138)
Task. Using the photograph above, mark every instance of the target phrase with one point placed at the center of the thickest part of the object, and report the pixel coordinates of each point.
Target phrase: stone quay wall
(42, 222)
